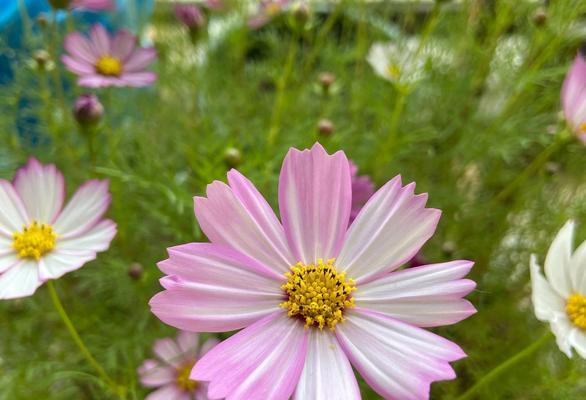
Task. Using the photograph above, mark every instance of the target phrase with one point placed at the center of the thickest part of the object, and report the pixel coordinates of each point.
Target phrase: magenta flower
(312, 294)
(101, 60)
(574, 97)
(190, 15)
(170, 371)
(362, 190)
(268, 9)
(85, 5)
(38, 239)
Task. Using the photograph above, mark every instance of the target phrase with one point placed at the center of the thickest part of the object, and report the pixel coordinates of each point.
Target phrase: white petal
(42, 190)
(58, 262)
(546, 301)
(557, 262)
(578, 341)
(84, 210)
(7, 260)
(327, 374)
(578, 269)
(13, 215)
(561, 328)
(96, 239)
(20, 281)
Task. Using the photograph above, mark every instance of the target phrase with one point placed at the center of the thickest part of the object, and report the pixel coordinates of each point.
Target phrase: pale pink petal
(137, 79)
(188, 343)
(390, 229)
(80, 48)
(169, 351)
(212, 288)
(96, 239)
(78, 67)
(123, 44)
(315, 197)
(97, 81)
(13, 215)
(207, 346)
(263, 361)
(153, 374)
(239, 217)
(84, 210)
(169, 392)
(20, 281)
(93, 5)
(425, 296)
(327, 373)
(42, 190)
(100, 40)
(140, 59)
(8, 259)
(557, 261)
(58, 262)
(397, 360)
(258, 21)
(546, 301)
(574, 92)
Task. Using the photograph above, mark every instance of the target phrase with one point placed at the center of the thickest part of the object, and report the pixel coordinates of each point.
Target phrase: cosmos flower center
(576, 310)
(109, 66)
(34, 240)
(183, 380)
(582, 127)
(318, 293)
(394, 70)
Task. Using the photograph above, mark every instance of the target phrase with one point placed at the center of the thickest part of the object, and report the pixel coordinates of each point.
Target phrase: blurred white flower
(560, 297)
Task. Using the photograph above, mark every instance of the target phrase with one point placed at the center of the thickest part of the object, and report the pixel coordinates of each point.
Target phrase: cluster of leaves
(464, 134)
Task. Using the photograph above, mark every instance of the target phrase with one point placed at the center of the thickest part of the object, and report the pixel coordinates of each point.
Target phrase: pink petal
(78, 67)
(557, 261)
(100, 40)
(97, 81)
(96, 239)
(207, 346)
(168, 350)
(426, 296)
(84, 210)
(20, 281)
(264, 361)
(80, 48)
(315, 199)
(327, 373)
(136, 79)
(93, 5)
(214, 289)
(188, 342)
(574, 91)
(58, 262)
(42, 190)
(388, 232)
(123, 44)
(140, 59)
(153, 374)
(397, 360)
(13, 215)
(238, 216)
(169, 392)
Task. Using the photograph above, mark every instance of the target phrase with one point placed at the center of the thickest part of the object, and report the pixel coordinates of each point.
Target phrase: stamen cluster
(576, 310)
(34, 241)
(109, 66)
(318, 293)
(183, 380)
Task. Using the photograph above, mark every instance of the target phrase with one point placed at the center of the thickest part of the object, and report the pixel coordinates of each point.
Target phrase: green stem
(533, 167)
(78, 341)
(505, 365)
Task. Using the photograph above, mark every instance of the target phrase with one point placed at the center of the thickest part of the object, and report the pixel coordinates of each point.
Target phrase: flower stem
(79, 342)
(505, 365)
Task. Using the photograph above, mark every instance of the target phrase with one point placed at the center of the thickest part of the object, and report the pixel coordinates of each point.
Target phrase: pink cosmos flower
(362, 190)
(38, 239)
(170, 371)
(312, 294)
(101, 60)
(85, 5)
(574, 97)
(190, 15)
(268, 9)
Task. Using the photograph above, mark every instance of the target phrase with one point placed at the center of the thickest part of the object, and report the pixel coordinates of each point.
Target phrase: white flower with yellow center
(560, 297)
(38, 239)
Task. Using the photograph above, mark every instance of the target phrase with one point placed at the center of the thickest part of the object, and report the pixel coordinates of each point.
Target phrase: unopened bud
(540, 17)
(135, 271)
(88, 110)
(232, 157)
(325, 127)
(42, 58)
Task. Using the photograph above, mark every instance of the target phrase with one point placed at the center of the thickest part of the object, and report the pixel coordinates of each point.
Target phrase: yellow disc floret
(318, 293)
(183, 380)
(576, 310)
(394, 70)
(34, 240)
(109, 66)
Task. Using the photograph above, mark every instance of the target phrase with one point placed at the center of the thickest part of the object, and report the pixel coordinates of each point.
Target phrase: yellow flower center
(34, 240)
(183, 380)
(318, 293)
(394, 70)
(576, 310)
(582, 127)
(109, 66)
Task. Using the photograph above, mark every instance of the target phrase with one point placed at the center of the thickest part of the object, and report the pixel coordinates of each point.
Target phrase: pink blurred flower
(102, 60)
(268, 9)
(190, 15)
(85, 5)
(272, 279)
(215, 5)
(574, 97)
(40, 240)
(362, 190)
(169, 372)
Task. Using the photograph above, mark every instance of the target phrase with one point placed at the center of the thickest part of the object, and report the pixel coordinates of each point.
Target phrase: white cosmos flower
(38, 239)
(560, 297)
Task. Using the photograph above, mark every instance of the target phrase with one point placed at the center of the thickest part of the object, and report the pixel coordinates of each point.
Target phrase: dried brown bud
(325, 127)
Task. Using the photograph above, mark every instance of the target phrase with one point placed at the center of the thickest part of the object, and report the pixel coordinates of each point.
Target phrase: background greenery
(465, 132)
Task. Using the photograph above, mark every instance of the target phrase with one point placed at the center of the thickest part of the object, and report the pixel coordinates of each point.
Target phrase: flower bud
(232, 157)
(325, 127)
(300, 15)
(540, 17)
(42, 58)
(88, 110)
(135, 271)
